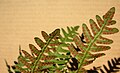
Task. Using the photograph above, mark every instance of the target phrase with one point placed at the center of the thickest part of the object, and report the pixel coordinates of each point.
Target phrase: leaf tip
(30, 44)
(36, 38)
(97, 17)
(76, 27)
(91, 21)
(112, 9)
(83, 24)
(115, 30)
(58, 30)
(43, 32)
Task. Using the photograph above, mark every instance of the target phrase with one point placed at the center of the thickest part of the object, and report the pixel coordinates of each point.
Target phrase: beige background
(22, 20)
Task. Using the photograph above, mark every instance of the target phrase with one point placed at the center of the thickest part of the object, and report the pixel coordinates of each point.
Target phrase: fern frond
(94, 38)
(65, 41)
(53, 34)
(28, 63)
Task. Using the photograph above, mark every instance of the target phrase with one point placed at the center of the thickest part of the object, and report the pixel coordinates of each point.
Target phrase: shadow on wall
(113, 67)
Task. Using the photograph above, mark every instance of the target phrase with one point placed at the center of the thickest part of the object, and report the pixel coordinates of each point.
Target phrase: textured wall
(22, 20)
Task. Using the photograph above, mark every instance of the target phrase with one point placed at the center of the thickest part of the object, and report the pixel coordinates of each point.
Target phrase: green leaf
(87, 34)
(95, 48)
(39, 42)
(94, 27)
(23, 61)
(109, 15)
(45, 35)
(34, 50)
(76, 28)
(64, 33)
(108, 30)
(28, 56)
(58, 61)
(102, 40)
